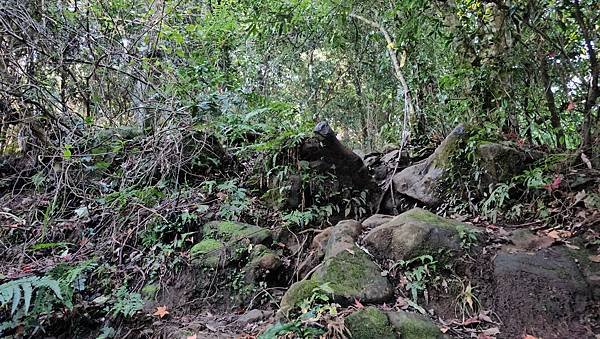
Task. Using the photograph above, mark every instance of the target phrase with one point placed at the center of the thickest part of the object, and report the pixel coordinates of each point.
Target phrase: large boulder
(351, 274)
(424, 180)
(376, 220)
(417, 232)
(502, 161)
(225, 242)
(542, 294)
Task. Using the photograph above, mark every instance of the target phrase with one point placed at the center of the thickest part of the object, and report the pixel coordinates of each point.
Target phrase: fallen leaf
(573, 247)
(192, 337)
(586, 161)
(527, 336)
(555, 184)
(491, 331)
(570, 106)
(444, 329)
(553, 234)
(350, 251)
(594, 258)
(161, 311)
(486, 318)
(580, 196)
(358, 304)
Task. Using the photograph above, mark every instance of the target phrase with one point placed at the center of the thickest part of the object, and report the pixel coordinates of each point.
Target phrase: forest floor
(179, 262)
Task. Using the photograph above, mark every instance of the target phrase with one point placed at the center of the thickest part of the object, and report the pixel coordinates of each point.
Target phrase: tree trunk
(551, 103)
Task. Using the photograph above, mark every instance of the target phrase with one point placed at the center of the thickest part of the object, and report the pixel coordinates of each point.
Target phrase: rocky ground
(417, 274)
(437, 257)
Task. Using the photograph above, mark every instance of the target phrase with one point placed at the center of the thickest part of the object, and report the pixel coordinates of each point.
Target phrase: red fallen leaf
(554, 184)
(161, 311)
(570, 106)
(358, 304)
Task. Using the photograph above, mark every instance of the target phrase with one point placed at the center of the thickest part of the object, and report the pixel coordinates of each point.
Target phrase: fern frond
(23, 288)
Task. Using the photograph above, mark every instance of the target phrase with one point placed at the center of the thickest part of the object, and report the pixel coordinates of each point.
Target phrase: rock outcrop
(224, 242)
(347, 270)
(542, 294)
(424, 180)
(416, 232)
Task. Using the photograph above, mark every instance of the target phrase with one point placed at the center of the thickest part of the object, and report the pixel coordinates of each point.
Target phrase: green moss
(229, 230)
(205, 246)
(419, 214)
(207, 252)
(348, 273)
(369, 323)
(413, 326)
(296, 293)
(149, 291)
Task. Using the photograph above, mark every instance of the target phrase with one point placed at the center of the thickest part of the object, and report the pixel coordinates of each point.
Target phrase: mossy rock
(208, 253)
(262, 261)
(353, 275)
(350, 275)
(418, 232)
(425, 181)
(368, 323)
(235, 231)
(414, 326)
(297, 292)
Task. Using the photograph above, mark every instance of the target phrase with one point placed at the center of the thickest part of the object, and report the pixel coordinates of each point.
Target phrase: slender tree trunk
(551, 103)
(593, 90)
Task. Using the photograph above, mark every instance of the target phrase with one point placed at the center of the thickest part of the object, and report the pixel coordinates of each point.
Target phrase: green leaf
(16, 298)
(67, 152)
(27, 292)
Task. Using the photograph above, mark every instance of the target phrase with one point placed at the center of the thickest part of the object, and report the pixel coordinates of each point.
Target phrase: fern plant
(14, 291)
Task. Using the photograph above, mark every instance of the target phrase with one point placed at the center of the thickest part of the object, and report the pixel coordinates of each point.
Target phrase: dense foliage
(125, 125)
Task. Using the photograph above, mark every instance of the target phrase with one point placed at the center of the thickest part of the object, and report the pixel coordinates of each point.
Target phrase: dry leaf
(594, 258)
(192, 337)
(553, 234)
(161, 311)
(358, 304)
(492, 331)
(580, 196)
(573, 247)
(527, 336)
(586, 161)
(350, 251)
